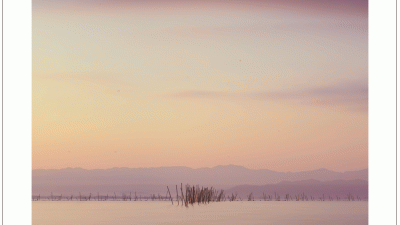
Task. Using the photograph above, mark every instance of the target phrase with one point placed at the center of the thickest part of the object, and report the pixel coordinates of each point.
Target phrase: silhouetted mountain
(73, 180)
(315, 188)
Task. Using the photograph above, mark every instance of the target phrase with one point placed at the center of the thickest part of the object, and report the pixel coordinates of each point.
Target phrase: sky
(279, 85)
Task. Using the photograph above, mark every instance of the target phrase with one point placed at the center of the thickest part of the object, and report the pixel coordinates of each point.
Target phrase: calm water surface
(258, 212)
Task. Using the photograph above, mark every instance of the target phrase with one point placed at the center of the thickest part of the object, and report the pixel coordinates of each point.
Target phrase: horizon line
(201, 168)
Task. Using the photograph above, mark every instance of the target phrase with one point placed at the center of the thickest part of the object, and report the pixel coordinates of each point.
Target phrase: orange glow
(248, 86)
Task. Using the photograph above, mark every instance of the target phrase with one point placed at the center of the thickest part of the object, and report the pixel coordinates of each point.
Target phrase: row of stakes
(189, 195)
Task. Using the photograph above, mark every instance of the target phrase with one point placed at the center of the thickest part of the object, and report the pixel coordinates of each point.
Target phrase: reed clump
(190, 195)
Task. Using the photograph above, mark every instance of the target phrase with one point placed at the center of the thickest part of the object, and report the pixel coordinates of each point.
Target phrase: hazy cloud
(353, 95)
(195, 94)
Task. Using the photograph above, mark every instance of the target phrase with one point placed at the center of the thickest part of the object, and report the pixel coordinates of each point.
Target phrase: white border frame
(17, 112)
(382, 112)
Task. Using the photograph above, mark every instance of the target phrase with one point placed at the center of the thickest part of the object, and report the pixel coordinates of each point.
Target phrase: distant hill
(314, 188)
(154, 180)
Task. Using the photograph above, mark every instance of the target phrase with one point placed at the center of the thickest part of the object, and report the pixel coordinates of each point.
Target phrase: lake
(162, 212)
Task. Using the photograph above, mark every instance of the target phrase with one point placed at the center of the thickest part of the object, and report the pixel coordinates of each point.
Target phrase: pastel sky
(280, 85)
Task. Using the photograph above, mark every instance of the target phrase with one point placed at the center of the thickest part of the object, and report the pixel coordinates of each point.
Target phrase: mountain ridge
(186, 167)
(146, 179)
(334, 188)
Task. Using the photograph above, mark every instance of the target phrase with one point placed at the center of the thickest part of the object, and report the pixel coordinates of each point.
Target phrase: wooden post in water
(182, 194)
(170, 195)
(177, 196)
